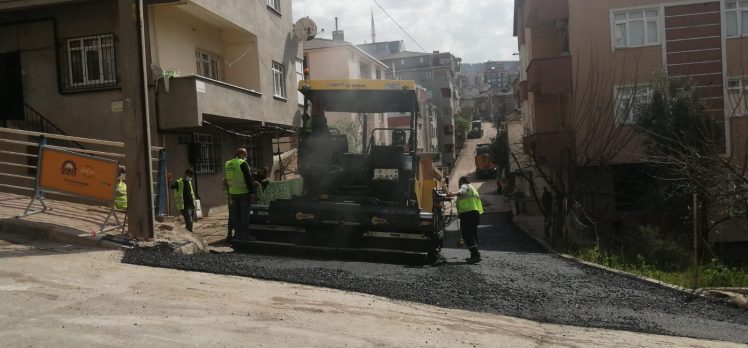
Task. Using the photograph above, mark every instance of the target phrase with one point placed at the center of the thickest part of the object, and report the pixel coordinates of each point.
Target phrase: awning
(249, 129)
(362, 96)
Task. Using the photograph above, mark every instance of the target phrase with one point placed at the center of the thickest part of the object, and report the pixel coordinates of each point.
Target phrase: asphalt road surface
(515, 278)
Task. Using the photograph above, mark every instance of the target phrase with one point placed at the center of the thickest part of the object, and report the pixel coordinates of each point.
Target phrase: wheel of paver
(434, 254)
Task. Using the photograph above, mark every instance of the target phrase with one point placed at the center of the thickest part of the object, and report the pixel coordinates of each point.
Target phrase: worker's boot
(474, 256)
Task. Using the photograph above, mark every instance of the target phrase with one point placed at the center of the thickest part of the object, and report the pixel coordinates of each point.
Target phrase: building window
(364, 71)
(427, 75)
(206, 153)
(737, 93)
(736, 18)
(636, 28)
(627, 100)
(89, 62)
(279, 80)
(299, 77)
(209, 65)
(275, 5)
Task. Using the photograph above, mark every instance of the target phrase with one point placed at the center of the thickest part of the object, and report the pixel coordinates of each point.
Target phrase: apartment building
(222, 75)
(489, 88)
(426, 127)
(338, 59)
(584, 63)
(438, 73)
(383, 49)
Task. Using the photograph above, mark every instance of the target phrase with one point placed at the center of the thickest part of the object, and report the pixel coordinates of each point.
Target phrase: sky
(474, 30)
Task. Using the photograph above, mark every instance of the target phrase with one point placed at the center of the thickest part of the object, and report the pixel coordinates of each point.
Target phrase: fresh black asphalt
(516, 278)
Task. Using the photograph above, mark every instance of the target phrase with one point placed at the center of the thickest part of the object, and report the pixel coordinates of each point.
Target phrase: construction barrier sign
(80, 175)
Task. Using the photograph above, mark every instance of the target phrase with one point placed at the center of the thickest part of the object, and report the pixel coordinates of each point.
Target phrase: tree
(685, 154)
(463, 126)
(580, 143)
(498, 151)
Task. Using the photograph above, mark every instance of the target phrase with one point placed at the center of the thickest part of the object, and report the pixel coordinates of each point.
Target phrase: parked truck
(485, 167)
(476, 130)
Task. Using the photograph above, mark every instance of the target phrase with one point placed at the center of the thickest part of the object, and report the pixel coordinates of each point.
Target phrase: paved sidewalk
(64, 221)
(77, 223)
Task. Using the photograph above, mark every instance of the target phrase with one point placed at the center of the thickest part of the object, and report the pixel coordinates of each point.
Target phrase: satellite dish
(305, 29)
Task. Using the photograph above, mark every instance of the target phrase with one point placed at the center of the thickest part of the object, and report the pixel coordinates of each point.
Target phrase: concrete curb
(694, 292)
(52, 232)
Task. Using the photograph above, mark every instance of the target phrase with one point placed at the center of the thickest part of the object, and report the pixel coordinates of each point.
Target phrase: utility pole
(373, 32)
(695, 232)
(135, 119)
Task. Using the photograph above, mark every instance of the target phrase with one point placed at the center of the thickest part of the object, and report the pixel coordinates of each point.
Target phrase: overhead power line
(398, 25)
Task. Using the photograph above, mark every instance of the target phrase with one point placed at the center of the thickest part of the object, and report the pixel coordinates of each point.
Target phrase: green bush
(711, 274)
(657, 249)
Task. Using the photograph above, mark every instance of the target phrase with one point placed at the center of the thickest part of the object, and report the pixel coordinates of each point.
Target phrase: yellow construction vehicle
(485, 167)
(386, 200)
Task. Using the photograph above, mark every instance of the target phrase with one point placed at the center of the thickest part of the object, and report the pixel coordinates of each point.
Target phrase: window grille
(254, 152)
(207, 153)
(88, 62)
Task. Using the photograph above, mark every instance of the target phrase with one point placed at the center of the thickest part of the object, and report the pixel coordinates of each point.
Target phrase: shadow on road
(496, 232)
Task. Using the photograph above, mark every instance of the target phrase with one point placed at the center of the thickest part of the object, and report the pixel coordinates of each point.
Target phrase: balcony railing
(550, 75)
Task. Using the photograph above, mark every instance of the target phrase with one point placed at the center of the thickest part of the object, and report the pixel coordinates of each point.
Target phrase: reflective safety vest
(179, 193)
(307, 126)
(235, 177)
(470, 201)
(120, 196)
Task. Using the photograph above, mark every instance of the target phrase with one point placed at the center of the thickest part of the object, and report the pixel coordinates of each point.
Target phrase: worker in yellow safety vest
(469, 208)
(120, 195)
(306, 124)
(238, 180)
(184, 198)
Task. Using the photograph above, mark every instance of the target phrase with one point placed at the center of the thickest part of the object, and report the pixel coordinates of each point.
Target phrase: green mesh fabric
(280, 190)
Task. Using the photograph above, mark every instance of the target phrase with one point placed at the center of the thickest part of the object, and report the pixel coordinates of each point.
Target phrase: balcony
(521, 91)
(192, 40)
(545, 12)
(19, 5)
(551, 149)
(548, 76)
(191, 97)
